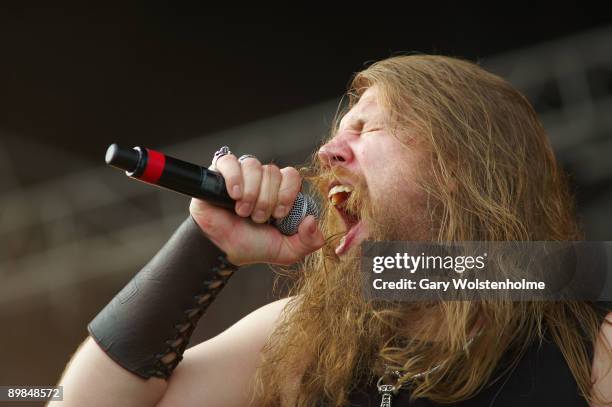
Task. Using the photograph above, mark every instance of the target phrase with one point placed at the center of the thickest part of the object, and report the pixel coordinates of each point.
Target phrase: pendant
(387, 391)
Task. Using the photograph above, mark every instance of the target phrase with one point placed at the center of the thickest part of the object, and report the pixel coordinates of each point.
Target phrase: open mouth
(338, 196)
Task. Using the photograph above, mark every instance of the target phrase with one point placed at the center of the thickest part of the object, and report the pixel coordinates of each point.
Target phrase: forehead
(366, 109)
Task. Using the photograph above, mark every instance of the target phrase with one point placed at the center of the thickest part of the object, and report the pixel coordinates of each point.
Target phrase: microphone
(158, 169)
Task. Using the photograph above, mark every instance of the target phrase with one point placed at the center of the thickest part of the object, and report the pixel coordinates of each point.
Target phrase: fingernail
(244, 209)
(260, 215)
(280, 210)
(236, 191)
(313, 227)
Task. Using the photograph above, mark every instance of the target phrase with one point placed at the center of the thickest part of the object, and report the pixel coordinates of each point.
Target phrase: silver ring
(218, 154)
(245, 156)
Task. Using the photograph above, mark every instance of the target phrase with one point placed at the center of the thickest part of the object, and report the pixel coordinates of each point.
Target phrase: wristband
(147, 326)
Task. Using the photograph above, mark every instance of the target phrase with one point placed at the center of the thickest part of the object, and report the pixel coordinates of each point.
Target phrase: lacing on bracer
(167, 361)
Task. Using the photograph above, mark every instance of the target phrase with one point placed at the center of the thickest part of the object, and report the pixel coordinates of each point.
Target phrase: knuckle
(225, 165)
(207, 224)
(290, 172)
(251, 163)
(292, 179)
(272, 170)
(226, 158)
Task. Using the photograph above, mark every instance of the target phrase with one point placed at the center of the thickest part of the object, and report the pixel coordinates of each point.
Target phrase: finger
(290, 185)
(308, 239)
(251, 181)
(268, 193)
(214, 221)
(229, 167)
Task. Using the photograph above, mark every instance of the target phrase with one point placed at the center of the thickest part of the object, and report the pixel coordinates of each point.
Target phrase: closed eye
(370, 130)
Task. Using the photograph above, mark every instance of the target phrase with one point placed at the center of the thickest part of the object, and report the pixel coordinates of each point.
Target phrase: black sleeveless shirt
(541, 378)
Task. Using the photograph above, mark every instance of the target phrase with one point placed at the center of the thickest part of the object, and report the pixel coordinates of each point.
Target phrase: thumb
(308, 238)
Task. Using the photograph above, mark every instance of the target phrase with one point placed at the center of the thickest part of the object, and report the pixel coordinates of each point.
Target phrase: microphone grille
(303, 206)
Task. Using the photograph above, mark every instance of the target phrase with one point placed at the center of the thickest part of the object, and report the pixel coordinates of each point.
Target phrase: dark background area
(81, 76)
(77, 77)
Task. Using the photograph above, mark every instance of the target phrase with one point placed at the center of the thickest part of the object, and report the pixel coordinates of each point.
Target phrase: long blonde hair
(485, 139)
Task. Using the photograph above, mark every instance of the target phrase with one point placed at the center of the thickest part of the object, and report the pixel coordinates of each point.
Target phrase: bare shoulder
(602, 362)
(219, 371)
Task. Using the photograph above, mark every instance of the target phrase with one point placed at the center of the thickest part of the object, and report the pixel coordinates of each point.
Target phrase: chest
(540, 378)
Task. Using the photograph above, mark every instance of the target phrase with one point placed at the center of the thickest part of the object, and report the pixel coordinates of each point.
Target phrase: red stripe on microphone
(156, 162)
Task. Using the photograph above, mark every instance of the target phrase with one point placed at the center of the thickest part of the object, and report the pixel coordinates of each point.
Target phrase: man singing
(430, 148)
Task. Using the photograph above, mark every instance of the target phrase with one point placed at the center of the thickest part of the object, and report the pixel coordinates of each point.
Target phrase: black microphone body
(158, 169)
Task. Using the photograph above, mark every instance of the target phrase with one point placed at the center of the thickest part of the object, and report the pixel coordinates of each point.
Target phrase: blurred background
(184, 80)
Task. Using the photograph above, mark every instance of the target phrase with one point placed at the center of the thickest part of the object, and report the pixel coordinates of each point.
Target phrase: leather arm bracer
(147, 326)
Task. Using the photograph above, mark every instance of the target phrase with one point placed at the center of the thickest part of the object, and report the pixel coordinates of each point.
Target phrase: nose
(335, 152)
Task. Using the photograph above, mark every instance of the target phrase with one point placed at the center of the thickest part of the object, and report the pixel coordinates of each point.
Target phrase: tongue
(339, 198)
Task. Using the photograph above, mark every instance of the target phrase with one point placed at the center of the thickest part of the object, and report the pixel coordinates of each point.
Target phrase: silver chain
(389, 390)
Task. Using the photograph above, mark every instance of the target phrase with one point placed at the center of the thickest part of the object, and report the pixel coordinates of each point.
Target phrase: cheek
(384, 184)
(392, 180)
(378, 154)
(384, 164)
